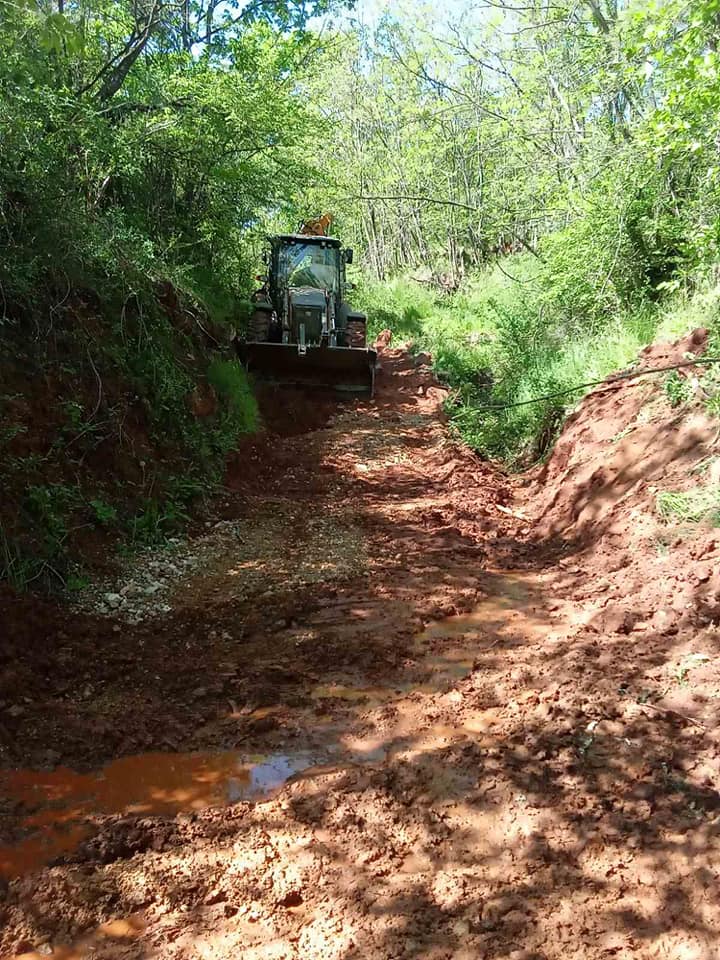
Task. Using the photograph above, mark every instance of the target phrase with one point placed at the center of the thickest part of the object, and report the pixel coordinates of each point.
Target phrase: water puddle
(508, 607)
(59, 804)
(366, 695)
(450, 663)
(442, 668)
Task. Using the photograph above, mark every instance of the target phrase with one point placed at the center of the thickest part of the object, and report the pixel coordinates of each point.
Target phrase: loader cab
(302, 262)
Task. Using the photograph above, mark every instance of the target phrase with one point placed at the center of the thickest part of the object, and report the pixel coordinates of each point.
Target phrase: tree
(148, 136)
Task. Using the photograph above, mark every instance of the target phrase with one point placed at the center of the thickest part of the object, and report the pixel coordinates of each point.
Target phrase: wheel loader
(302, 330)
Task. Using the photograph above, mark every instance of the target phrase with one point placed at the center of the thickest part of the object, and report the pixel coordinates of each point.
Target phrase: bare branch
(115, 79)
(415, 199)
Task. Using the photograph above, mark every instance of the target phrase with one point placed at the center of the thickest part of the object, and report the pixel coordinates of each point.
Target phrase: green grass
(16, 567)
(231, 383)
(400, 305)
(509, 336)
(520, 434)
(701, 505)
(498, 342)
(684, 312)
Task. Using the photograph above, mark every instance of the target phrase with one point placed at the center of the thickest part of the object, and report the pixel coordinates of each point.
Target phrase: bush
(398, 305)
(693, 506)
(231, 383)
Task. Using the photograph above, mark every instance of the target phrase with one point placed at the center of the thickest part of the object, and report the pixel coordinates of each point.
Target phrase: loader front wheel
(356, 333)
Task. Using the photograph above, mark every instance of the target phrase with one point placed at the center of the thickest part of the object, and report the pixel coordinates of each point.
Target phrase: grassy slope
(115, 421)
(503, 339)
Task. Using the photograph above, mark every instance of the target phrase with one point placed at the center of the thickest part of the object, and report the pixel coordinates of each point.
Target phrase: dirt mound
(621, 440)
(646, 578)
(623, 450)
(287, 411)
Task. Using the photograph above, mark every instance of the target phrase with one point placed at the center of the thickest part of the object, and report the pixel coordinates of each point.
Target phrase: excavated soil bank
(483, 709)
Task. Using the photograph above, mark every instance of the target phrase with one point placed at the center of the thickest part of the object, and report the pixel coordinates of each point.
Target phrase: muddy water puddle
(364, 695)
(58, 806)
(442, 668)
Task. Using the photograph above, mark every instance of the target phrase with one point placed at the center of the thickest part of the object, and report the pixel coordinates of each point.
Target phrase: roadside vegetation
(144, 145)
(497, 352)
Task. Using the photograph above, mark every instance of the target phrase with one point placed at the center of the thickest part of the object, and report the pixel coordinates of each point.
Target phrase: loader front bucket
(347, 369)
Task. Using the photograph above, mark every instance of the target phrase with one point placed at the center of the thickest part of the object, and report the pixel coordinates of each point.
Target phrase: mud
(414, 708)
(60, 805)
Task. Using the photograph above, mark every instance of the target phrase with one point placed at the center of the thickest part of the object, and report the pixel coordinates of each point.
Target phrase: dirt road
(401, 706)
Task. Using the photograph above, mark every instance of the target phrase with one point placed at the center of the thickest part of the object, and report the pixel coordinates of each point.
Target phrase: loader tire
(355, 333)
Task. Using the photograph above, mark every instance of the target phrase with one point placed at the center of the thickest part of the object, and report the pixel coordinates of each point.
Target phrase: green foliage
(589, 138)
(74, 414)
(677, 389)
(500, 342)
(104, 513)
(133, 415)
(399, 305)
(16, 567)
(231, 383)
(117, 173)
(693, 506)
(713, 403)
(50, 506)
(9, 431)
(710, 382)
(166, 386)
(43, 557)
(143, 154)
(157, 520)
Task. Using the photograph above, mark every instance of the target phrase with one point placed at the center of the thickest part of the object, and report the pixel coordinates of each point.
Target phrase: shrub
(230, 381)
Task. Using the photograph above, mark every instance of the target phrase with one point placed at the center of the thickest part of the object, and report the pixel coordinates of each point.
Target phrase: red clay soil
(494, 701)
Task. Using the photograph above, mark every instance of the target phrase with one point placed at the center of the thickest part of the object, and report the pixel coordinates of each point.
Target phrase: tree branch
(116, 78)
(442, 203)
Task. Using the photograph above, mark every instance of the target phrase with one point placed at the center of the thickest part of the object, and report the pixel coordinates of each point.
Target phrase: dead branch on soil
(99, 383)
(511, 513)
(669, 712)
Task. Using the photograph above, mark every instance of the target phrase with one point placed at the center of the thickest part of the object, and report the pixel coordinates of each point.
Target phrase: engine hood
(308, 298)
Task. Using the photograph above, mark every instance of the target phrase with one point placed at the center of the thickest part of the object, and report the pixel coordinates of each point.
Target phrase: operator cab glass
(310, 265)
